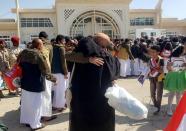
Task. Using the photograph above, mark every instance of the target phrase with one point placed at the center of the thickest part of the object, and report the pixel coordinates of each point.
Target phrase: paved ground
(9, 113)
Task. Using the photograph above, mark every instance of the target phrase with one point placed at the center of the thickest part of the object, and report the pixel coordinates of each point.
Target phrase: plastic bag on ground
(122, 101)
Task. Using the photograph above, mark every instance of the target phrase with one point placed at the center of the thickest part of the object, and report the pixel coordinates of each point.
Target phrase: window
(6, 39)
(87, 26)
(153, 34)
(170, 34)
(142, 21)
(143, 34)
(36, 22)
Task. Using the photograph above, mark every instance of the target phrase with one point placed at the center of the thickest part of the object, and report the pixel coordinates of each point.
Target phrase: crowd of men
(88, 66)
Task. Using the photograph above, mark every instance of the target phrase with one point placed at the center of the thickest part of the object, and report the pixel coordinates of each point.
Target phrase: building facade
(87, 17)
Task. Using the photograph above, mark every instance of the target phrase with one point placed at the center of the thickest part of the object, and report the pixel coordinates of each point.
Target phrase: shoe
(54, 109)
(157, 112)
(27, 125)
(47, 119)
(61, 109)
(1, 95)
(169, 113)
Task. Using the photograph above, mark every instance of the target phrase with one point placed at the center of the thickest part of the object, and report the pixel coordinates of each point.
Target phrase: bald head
(37, 44)
(103, 36)
(102, 39)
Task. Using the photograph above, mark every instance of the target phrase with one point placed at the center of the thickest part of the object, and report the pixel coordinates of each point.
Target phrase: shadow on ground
(61, 118)
(152, 123)
(11, 120)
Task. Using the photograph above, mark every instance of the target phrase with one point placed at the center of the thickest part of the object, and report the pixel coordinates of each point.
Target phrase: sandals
(59, 109)
(47, 119)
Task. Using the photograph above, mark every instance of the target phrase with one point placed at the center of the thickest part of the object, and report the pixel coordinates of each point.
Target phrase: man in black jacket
(34, 71)
(60, 71)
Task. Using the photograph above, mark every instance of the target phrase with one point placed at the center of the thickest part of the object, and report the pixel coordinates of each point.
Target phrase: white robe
(59, 89)
(125, 67)
(142, 66)
(31, 109)
(128, 64)
(47, 99)
(136, 67)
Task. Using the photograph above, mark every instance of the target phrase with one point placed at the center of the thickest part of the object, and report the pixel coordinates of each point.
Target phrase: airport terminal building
(87, 17)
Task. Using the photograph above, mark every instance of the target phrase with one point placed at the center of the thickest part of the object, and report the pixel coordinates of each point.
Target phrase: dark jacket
(49, 47)
(135, 49)
(89, 84)
(59, 64)
(34, 70)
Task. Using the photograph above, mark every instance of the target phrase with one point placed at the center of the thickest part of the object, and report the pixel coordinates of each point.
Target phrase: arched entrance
(92, 22)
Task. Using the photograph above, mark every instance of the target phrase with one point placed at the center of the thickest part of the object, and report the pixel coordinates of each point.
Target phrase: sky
(171, 8)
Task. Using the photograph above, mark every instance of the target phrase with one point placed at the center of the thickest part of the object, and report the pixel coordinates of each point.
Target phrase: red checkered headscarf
(15, 40)
(2, 42)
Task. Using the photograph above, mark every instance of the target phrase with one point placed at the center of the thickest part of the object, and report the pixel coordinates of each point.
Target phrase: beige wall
(174, 25)
(8, 29)
(27, 32)
(178, 30)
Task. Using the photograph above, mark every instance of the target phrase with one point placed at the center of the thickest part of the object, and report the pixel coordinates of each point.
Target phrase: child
(155, 76)
(175, 81)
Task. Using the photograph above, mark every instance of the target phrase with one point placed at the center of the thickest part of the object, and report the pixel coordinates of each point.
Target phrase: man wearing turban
(15, 50)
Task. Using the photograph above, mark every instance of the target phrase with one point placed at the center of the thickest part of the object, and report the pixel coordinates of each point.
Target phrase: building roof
(143, 11)
(7, 20)
(52, 10)
(93, 1)
(152, 4)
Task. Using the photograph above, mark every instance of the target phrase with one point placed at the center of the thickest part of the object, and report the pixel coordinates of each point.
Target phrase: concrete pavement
(9, 112)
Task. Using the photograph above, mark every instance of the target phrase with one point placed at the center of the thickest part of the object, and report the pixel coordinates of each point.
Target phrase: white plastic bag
(125, 103)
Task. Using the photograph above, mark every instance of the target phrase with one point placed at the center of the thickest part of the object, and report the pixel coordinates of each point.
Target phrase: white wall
(64, 26)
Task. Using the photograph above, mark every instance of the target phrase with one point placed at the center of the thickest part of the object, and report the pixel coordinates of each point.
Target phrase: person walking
(60, 71)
